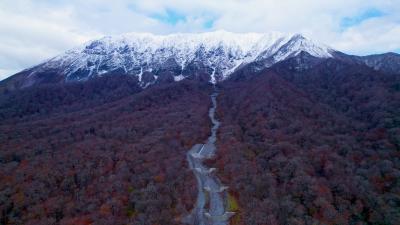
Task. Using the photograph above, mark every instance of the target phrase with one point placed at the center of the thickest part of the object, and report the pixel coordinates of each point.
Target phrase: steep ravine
(210, 207)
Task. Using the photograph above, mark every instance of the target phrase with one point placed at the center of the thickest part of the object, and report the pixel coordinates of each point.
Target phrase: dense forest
(301, 145)
(316, 145)
(100, 153)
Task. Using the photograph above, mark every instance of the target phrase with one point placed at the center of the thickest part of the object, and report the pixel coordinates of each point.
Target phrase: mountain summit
(151, 58)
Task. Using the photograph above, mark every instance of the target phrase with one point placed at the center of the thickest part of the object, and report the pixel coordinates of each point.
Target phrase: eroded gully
(211, 203)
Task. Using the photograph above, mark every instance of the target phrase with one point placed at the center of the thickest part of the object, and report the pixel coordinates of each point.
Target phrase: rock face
(152, 58)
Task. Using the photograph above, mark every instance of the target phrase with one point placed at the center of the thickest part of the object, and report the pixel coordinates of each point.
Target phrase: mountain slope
(212, 57)
(387, 62)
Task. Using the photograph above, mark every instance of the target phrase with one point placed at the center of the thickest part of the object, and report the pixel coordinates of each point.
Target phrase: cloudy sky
(34, 30)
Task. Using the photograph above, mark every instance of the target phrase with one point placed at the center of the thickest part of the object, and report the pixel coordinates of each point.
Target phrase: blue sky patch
(358, 19)
(209, 24)
(170, 17)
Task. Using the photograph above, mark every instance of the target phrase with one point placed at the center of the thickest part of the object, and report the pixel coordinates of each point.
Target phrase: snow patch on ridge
(212, 79)
(179, 77)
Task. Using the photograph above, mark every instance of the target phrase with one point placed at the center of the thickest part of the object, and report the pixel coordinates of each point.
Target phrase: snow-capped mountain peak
(150, 57)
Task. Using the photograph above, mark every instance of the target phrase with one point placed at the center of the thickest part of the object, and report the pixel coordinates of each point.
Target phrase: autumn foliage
(100, 153)
(301, 145)
(312, 146)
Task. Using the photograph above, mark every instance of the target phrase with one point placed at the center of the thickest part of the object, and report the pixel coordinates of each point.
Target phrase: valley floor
(211, 201)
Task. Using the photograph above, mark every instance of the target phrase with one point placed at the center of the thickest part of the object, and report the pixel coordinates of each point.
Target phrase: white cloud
(34, 30)
(372, 36)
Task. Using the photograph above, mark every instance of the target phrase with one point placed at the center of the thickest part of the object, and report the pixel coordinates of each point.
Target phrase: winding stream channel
(211, 204)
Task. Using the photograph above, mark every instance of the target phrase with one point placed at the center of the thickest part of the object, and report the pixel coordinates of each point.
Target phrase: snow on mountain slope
(217, 54)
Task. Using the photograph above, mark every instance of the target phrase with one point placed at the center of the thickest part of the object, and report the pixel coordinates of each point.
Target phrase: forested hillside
(99, 153)
(307, 141)
(316, 145)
